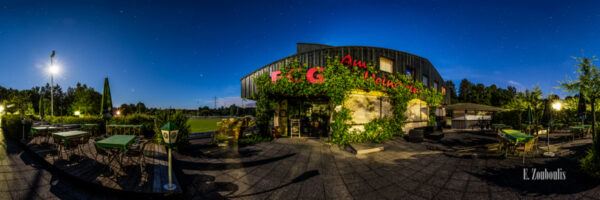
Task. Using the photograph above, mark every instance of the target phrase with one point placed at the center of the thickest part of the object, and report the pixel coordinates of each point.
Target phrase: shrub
(234, 126)
(78, 120)
(513, 118)
(146, 121)
(74, 120)
(253, 140)
(220, 138)
(13, 127)
(590, 164)
(177, 118)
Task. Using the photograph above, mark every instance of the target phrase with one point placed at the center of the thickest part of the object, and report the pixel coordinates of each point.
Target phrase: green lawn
(203, 125)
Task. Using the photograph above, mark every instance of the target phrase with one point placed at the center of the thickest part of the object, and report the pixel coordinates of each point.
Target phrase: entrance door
(313, 116)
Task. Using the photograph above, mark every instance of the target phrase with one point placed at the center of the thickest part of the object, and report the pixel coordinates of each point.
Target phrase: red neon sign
(347, 60)
(310, 75)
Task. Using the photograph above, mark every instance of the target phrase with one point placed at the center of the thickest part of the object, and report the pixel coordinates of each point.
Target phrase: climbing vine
(338, 81)
(433, 98)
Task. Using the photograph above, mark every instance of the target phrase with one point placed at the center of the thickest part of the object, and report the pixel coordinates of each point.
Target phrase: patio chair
(84, 141)
(106, 155)
(59, 146)
(137, 151)
(503, 142)
(101, 152)
(528, 146)
(72, 145)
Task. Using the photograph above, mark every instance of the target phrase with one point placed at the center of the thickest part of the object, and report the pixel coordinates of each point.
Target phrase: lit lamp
(169, 134)
(77, 113)
(556, 107)
(53, 70)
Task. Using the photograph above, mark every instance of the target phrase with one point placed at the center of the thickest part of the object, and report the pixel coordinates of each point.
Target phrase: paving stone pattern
(310, 169)
(23, 176)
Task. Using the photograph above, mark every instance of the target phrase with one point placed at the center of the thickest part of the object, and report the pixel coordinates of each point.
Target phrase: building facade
(311, 116)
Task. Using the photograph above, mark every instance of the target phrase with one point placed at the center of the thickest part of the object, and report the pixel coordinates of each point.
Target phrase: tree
(451, 91)
(587, 84)
(478, 95)
(464, 90)
(106, 104)
(141, 107)
(85, 100)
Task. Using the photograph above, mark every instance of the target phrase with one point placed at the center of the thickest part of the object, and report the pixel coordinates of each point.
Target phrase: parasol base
(549, 154)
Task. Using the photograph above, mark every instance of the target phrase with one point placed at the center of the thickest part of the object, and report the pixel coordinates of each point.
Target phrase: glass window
(409, 72)
(425, 81)
(435, 85)
(386, 65)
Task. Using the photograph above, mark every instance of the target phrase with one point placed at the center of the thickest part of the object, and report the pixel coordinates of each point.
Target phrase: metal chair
(137, 151)
(59, 146)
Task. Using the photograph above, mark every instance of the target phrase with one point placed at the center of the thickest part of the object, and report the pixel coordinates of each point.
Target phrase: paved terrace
(23, 176)
(461, 166)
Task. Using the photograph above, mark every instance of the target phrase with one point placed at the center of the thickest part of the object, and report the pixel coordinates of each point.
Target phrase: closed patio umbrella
(41, 107)
(530, 119)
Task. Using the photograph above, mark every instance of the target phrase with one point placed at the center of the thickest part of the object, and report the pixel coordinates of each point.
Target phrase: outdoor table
(499, 128)
(516, 136)
(69, 134)
(497, 125)
(88, 125)
(44, 130)
(116, 142)
(92, 128)
(119, 127)
(577, 129)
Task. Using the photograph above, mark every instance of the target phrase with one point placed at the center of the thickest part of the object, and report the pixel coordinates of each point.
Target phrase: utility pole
(215, 102)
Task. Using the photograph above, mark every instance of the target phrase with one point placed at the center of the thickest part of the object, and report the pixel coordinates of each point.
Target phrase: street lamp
(169, 133)
(53, 70)
(556, 107)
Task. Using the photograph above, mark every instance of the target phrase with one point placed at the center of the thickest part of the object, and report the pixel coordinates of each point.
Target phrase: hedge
(13, 127)
(146, 121)
(77, 120)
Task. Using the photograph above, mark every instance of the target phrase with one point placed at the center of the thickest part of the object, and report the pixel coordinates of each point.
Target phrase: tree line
(469, 92)
(87, 101)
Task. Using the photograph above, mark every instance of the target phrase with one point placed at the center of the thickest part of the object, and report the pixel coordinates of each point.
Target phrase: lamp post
(53, 70)
(169, 133)
(556, 107)
(23, 124)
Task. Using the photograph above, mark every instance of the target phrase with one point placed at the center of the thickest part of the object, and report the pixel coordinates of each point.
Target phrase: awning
(472, 106)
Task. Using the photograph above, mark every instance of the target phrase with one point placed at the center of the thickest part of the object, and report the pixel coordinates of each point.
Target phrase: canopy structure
(472, 106)
(471, 120)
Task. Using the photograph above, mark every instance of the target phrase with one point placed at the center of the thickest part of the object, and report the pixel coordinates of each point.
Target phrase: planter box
(416, 135)
(435, 134)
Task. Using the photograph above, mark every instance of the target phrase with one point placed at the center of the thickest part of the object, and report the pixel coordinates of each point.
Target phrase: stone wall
(367, 106)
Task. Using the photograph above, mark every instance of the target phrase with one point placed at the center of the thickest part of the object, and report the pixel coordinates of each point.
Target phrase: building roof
(472, 106)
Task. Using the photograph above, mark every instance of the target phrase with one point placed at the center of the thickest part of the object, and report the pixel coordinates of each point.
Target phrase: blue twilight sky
(184, 53)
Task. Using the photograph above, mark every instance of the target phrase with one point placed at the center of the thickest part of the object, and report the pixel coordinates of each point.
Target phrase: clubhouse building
(310, 117)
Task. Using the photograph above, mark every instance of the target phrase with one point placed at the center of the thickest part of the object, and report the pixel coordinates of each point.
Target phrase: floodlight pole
(52, 85)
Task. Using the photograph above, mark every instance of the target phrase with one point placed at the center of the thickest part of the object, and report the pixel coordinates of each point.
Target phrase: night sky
(183, 54)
